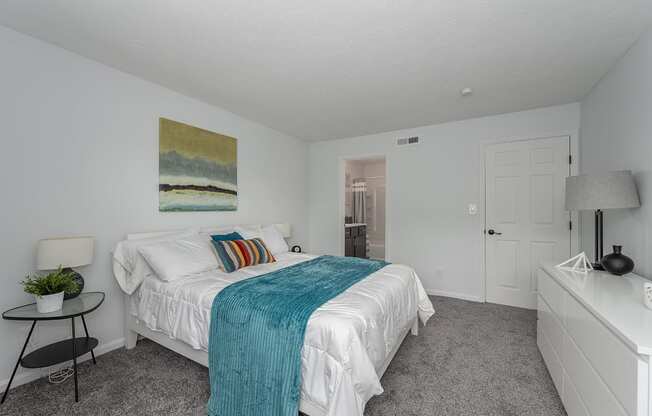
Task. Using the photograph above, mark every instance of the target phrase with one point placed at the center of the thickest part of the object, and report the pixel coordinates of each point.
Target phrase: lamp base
(80, 283)
(597, 266)
(599, 240)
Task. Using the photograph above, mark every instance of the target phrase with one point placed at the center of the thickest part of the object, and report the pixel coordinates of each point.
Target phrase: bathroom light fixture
(466, 92)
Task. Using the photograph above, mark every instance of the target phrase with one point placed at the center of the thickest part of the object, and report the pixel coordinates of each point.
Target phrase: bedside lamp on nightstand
(284, 229)
(67, 252)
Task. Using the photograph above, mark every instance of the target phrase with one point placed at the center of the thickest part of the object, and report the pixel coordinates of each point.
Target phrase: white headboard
(140, 236)
(206, 230)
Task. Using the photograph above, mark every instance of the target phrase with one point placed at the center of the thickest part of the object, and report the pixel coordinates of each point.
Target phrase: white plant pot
(49, 303)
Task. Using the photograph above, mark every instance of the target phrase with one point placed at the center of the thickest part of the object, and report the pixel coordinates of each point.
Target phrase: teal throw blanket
(257, 330)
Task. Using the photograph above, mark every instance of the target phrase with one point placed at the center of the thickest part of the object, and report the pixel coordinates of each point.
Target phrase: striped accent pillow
(236, 254)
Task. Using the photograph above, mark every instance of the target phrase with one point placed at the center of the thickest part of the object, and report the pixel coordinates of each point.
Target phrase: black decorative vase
(80, 284)
(617, 263)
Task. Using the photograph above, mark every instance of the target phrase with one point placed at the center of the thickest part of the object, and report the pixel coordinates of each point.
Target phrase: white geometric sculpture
(579, 263)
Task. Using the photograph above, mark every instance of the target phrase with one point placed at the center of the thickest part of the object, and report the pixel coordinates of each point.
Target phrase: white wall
(428, 189)
(79, 156)
(616, 133)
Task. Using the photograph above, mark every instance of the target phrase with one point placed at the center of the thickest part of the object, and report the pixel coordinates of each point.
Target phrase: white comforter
(347, 341)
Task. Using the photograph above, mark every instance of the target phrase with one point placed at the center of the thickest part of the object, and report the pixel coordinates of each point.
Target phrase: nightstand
(61, 351)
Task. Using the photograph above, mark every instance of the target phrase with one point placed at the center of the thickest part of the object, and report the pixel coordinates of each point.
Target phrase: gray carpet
(471, 359)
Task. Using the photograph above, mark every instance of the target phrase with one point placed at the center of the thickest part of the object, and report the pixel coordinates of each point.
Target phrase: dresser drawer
(572, 401)
(552, 292)
(594, 393)
(551, 325)
(552, 360)
(616, 364)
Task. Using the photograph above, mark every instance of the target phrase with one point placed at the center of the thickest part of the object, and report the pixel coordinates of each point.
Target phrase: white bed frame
(134, 328)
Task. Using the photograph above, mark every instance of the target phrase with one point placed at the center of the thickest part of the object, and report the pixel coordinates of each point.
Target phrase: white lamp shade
(608, 190)
(285, 230)
(66, 252)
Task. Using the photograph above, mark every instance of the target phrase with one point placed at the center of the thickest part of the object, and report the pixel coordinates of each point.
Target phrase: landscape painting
(197, 169)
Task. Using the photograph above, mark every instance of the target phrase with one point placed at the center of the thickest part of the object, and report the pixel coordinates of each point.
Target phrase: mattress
(347, 340)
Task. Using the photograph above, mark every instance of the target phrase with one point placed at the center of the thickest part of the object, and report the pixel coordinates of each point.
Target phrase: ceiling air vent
(408, 141)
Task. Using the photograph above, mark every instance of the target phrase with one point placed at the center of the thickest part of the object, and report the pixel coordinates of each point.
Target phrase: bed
(349, 341)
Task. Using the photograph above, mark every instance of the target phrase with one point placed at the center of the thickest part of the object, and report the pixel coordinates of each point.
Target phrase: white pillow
(249, 231)
(129, 267)
(274, 240)
(179, 258)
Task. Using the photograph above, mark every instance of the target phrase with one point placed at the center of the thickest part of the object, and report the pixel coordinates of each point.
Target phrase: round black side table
(61, 351)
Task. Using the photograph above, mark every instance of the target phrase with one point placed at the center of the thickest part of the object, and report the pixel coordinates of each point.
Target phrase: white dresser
(595, 335)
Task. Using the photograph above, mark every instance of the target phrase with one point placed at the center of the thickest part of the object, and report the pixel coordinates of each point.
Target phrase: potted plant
(49, 289)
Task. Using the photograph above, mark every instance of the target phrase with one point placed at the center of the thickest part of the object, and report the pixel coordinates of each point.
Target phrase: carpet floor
(471, 359)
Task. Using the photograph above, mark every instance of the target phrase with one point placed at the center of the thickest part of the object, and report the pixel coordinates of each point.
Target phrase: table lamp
(67, 252)
(284, 229)
(597, 192)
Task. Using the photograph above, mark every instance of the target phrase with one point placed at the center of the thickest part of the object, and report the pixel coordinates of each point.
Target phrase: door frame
(341, 199)
(574, 170)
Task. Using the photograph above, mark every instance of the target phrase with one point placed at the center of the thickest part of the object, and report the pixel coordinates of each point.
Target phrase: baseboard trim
(456, 295)
(24, 375)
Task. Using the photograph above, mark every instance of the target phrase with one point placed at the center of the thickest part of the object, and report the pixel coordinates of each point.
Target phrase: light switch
(473, 209)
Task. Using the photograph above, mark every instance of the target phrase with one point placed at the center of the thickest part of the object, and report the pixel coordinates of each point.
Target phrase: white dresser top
(617, 301)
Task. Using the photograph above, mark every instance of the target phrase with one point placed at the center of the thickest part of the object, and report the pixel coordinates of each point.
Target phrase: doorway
(526, 222)
(364, 208)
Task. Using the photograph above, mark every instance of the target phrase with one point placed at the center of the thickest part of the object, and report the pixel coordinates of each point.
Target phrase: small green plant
(51, 283)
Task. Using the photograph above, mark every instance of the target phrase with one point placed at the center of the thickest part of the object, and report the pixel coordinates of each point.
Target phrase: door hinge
(570, 159)
(570, 225)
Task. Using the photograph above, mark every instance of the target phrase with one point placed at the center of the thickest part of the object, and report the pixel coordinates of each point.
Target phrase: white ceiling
(325, 69)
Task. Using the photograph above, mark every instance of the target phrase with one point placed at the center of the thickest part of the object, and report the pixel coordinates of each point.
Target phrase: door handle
(492, 232)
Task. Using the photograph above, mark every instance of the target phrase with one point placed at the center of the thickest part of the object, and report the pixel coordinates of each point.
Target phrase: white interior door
(526, 222)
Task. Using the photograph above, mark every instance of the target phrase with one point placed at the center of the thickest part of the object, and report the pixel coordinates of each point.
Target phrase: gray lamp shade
(607, 190)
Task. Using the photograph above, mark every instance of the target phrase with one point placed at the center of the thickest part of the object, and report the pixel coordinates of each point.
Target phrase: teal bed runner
(257, 330)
